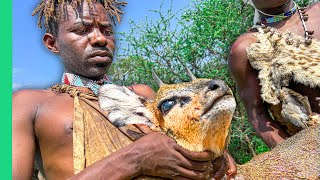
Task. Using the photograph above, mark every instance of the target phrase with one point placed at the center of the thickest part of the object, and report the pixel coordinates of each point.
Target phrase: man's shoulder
(33, 95)
(141, 86)
(26, 102)
(143, 90)
(313, 10)
(314, 6)
(243, 42)
(238, 51)
(32, 92)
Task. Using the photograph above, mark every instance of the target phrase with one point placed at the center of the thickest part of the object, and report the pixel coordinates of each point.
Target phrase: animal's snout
(217, 85)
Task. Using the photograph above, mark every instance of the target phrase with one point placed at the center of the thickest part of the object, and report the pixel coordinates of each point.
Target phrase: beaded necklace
(276, 18)
(76, 80)
(303, 17)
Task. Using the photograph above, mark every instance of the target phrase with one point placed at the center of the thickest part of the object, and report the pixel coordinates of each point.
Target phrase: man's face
(86, 44)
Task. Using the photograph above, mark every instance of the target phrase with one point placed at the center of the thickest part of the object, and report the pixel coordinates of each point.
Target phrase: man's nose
(98, 38)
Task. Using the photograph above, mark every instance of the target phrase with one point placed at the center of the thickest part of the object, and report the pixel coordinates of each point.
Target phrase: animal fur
(123, 105)
(296, 158)
(198, 125)
(282, 57)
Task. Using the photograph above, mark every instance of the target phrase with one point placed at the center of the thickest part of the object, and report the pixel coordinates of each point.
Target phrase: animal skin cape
(94, 137)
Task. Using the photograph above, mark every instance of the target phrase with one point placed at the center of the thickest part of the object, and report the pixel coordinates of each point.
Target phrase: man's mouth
(102, 53)
(101, 56)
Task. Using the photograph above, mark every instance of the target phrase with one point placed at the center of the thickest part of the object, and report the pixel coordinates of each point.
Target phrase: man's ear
(50, 42)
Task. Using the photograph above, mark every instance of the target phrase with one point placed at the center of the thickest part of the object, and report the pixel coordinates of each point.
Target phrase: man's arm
(246, 79)
(154, 154)
(24, 109)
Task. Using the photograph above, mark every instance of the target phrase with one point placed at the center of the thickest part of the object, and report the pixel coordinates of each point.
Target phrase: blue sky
(33, 66)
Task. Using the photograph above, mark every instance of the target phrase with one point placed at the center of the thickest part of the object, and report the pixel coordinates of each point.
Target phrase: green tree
(201, 40)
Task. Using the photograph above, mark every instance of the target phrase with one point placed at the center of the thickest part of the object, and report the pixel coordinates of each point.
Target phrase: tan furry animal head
(196, 114)
(282, 57)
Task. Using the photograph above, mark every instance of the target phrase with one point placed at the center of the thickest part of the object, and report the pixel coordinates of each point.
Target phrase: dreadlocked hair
(50, 11)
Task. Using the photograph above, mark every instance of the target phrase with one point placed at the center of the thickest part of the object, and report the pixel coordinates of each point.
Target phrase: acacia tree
(201, 40)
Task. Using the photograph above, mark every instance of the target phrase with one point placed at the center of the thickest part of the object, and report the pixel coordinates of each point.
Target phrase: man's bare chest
(54, 121)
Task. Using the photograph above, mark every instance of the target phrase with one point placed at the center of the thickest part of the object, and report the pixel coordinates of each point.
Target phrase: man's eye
(82, 31)
(167, 105)
(108, 32)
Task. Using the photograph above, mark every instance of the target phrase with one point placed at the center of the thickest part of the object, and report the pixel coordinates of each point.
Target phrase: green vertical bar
(6, 88)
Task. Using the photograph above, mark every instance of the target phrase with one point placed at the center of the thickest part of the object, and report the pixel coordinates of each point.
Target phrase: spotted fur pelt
(282, 57)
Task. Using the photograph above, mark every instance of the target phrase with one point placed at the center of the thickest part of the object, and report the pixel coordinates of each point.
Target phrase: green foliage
(201, 40)
(303, 3)
(244, 143)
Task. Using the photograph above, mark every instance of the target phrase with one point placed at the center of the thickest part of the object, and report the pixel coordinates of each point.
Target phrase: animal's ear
(50, 41)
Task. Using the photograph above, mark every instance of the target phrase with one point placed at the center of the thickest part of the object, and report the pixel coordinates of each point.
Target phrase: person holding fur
(63, 129)
(276, 69)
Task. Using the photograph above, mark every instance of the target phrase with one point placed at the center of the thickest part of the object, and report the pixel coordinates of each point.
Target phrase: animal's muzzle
(218, 85)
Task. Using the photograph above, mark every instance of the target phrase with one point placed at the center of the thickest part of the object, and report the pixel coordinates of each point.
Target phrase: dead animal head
(196, 114)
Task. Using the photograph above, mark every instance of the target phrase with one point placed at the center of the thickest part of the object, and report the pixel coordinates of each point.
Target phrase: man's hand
(159, 155)
(224, 165)
(219, 167)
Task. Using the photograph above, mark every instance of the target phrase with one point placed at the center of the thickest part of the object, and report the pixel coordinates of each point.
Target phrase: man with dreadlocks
(284, 41)
(62, 128)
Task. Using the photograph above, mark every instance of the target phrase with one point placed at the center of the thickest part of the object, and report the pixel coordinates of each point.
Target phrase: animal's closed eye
(167, 105)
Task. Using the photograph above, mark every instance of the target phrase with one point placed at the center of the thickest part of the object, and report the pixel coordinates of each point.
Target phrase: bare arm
(23, 137)
(154, 154)
(247, 83)
(143, 90)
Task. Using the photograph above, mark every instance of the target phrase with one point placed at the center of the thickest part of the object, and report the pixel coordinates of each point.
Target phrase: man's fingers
(191, 174)
(222, 165)
(144, 128)
(216, 163)
(197, 156)
(232, 166)
(196, 165)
